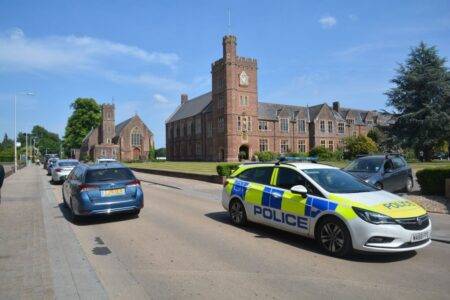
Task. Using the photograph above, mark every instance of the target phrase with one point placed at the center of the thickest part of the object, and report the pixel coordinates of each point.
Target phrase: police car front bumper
(387, 237)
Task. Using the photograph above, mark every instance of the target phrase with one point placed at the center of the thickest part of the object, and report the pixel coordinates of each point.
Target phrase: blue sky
(143, 54)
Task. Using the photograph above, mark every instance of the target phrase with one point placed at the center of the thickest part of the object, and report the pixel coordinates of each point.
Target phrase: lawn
(209, 168)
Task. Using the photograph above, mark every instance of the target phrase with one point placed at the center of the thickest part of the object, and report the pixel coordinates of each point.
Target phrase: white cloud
(160, 99)
(328, 22)
(69, 53)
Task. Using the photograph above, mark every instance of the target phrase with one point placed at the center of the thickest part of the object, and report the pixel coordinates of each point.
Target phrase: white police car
(340, 211)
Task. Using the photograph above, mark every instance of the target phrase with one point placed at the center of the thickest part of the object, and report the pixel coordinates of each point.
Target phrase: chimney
(184, 98)
(336, 106)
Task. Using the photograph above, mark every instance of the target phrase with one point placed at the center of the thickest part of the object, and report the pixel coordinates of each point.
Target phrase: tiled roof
(191, 107)
(122, 125)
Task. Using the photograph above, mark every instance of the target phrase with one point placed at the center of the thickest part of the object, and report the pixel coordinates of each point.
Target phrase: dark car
(387, 172)
(47, 157)
(102, 189)
(51, 164)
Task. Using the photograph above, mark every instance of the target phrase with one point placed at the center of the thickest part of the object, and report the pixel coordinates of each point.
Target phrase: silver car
(62, 168)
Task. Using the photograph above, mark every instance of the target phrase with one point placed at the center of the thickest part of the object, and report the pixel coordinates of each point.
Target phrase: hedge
(226, 169)
(432, 180)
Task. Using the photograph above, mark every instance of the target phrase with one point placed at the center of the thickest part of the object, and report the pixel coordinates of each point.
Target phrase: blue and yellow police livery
(340, 211)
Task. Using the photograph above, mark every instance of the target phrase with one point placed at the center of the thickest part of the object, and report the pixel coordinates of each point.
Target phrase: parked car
(47, 157)
(62, 168)
(102, 189)
(387, 172)
(50, 164)
(440, 155)
(105, 160)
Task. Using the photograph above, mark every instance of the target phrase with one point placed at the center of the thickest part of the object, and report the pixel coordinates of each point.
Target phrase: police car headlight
(373, 217)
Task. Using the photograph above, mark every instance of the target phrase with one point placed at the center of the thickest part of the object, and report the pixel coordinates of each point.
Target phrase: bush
(226, 169)
(266, 155)
(432, 180)
(322, 153)
(357, 145)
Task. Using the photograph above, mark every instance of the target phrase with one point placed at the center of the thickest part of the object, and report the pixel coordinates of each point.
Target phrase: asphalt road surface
(183, 246)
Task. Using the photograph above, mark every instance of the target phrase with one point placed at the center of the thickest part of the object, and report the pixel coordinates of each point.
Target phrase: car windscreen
(68, 163)
(369, 165)
(110, 174)
(338, 181)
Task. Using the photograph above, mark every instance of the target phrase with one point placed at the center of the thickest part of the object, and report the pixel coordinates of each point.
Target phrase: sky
(141, 55)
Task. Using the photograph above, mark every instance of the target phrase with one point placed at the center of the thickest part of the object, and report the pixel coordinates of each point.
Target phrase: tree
(160, 152)
(86, 115)
(46, 141)
(356, 145)
(421, 100)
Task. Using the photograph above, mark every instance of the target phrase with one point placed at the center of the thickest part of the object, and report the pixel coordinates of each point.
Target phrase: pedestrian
(2, 177)
(421, 155)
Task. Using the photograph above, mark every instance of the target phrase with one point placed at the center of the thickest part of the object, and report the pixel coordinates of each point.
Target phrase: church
(127, 141)
(230, 122)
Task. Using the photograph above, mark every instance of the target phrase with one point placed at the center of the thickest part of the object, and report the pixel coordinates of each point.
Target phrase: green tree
(421, 99)
(46, 141)
(356, 145)
(160, 152)
(86, 115)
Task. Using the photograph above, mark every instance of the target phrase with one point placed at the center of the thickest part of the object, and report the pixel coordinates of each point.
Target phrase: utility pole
(26, 149)
(15, 135)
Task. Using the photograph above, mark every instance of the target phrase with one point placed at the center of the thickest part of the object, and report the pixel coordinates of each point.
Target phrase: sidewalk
(441, 227)
(24, 263)
(40, 256)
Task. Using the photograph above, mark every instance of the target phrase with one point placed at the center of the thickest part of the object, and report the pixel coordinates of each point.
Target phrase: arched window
(136, 137)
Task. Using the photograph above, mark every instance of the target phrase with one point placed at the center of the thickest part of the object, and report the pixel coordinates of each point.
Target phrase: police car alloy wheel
(333, 237)
(237, 213)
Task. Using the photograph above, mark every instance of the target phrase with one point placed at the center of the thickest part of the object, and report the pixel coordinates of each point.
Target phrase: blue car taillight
(134, 183)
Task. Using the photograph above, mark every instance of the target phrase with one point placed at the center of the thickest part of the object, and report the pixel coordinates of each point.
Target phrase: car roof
(109, 165)
(297, 165)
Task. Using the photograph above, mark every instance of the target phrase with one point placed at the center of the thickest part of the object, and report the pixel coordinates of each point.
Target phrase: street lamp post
(15, 127)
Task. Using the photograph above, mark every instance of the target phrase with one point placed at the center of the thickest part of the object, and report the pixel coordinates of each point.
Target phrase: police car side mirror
(300, 190)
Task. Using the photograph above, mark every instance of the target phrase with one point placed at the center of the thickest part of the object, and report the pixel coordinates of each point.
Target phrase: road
(183, 246)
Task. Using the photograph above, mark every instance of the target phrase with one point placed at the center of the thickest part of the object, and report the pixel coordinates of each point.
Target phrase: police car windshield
(337, 181)
(366, 164)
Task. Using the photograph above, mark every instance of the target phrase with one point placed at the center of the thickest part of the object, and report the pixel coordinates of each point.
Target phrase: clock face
(243, 79)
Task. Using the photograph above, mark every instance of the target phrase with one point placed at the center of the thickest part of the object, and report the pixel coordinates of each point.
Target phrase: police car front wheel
(237, 213)
(333, 237)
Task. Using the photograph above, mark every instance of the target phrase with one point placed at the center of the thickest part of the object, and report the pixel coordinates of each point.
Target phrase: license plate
(417, 237)
(114, 192)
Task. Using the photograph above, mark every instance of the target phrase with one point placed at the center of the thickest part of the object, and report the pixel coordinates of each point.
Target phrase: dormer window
(350, 121)
(301, 125)
(322, 125)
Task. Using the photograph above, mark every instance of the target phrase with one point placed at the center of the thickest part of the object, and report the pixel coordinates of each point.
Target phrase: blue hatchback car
(102, 189)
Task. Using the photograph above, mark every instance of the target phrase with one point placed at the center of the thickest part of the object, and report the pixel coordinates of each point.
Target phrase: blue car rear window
(116, 174)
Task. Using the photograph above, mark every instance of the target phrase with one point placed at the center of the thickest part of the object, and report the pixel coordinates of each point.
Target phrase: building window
(354, 133)
(350, 121)
(198, 149)
(198, 126)
(301, 126)
(263, 145)
(209, 129)
(322, 126)
(369, 122)
(330, 126)
(135, 137)
(244, 123)
(330, 145)
(341, 127)
(284, 146)
(262, 125)
(322, 143)
(284, 125)
(244, 100)
(189, 128)
(220, 102)
(220, 124)
(103, 152)
(301, 146)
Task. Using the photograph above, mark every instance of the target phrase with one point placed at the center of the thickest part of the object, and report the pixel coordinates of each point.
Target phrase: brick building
(129, 140)
(230, 119)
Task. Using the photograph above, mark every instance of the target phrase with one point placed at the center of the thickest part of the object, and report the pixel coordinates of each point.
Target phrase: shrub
(321, 153)
(266, 155)
(432, 180)
(356, 145)
(226, 169)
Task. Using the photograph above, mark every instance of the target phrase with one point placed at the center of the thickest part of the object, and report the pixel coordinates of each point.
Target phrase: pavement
(182, 245)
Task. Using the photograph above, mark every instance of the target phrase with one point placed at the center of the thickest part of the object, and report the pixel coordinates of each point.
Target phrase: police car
(325, 203)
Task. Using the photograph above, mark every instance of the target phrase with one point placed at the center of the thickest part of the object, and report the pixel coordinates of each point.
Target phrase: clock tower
(234, 103)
